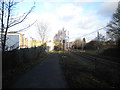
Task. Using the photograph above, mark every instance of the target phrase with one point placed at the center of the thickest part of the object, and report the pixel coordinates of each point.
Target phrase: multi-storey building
(15, 41)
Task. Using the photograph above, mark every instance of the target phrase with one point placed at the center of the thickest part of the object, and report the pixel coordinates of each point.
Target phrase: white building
(15, 41)
(50, 45)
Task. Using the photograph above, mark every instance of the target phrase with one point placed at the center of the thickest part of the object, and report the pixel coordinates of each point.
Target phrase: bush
(57, 48)
(112, 52)
(12, 59)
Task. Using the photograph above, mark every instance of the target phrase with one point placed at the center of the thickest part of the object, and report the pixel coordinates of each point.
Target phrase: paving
(47, 74)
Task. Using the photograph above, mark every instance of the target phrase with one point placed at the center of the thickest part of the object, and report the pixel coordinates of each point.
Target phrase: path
(47, 74)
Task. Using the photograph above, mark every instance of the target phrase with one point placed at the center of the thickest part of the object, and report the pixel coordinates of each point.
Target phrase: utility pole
(77, 45)
(68, 42)
(82, 46)
(98, 47)
(83, 42)
(63, 45)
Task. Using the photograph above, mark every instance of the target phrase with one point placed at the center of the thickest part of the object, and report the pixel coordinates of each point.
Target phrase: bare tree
(7, 19)
(61, 35)
(77, 43)
(42, 29)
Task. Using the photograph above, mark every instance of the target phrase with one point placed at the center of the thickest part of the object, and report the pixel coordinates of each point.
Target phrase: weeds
(79, 74)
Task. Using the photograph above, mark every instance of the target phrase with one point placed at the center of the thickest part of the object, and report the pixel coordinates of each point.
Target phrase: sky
(78, 17)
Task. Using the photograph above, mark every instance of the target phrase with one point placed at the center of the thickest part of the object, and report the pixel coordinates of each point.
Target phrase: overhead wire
(93, 32)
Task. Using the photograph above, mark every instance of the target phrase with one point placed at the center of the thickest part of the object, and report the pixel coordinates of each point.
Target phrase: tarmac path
(47, 74)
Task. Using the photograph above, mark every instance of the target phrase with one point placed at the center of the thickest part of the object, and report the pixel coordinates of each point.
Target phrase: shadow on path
(47, 74)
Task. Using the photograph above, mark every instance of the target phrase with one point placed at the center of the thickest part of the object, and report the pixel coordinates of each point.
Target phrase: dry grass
(80, 75)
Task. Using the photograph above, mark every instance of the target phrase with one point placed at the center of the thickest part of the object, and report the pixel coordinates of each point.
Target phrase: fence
(12, 59)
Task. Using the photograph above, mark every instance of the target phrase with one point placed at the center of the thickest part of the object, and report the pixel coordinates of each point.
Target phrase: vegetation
(114, 27)
(42, 29)
(13, 65)
(8, 19)
(80, 73)
(58, 39)
(91, 45)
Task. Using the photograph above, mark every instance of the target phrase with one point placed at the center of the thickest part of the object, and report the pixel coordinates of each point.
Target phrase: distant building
(15, 41)
(34, 43)
(50, 45)
(26, 43)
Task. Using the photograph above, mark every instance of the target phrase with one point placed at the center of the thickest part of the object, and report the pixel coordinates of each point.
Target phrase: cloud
(68, 11)
(47, 5)
(76, 21)
(72, 0)
(107, 9)
(71, 16)
(77, 26)
(32, 17)
(83, 24)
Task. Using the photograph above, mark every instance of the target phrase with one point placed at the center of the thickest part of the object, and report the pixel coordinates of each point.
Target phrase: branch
(2, 25)
(20, 21)
(26, 27)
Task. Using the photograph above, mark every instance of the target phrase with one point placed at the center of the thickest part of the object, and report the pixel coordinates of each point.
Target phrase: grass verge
(94, 54)
(78, 74)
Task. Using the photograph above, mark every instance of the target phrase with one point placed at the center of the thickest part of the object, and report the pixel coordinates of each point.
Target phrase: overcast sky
(79, 18)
